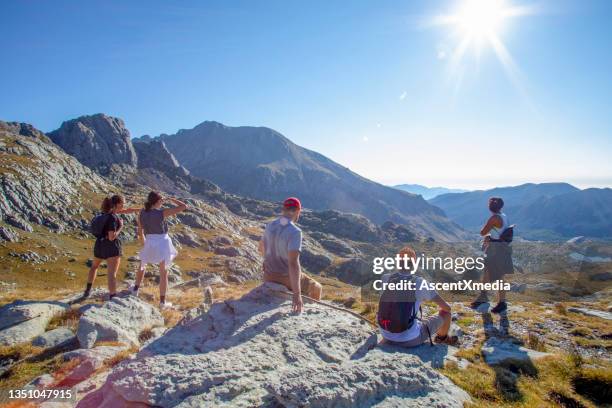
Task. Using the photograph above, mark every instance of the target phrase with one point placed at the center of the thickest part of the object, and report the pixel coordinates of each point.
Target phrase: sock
(111, 295)
(88, 288)
(162, 299)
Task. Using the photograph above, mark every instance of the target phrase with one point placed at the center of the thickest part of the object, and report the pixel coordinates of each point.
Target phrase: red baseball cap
(292, 202)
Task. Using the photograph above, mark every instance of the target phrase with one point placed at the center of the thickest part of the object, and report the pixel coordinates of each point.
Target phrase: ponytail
(107, 205)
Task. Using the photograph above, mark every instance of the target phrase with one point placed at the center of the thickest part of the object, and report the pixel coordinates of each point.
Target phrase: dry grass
(119, 357)
(70, 319)
(535, 342)
(547, 383)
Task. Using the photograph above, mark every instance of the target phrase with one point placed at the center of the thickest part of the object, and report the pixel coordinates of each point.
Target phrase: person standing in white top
(498, 261)
(158, 248)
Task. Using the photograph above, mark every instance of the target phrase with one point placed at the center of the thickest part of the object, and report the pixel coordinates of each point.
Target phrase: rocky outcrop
(591, 312)
(40, 184)
(121, 319)
(496, 350)
(153, 154)
(254, 352)
(21, 321)
(54, 337)
(98, 141)
(23, 129)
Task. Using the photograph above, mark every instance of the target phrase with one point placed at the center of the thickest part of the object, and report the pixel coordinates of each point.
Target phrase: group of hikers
(280, 247)
(152, 232)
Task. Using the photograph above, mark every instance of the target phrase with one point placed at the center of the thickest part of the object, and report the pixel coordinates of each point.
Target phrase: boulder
(186, 237)
(55, 337)
(254, 352)
(314, 261)
(355, 271)
(89, 360)
(21, 321)
(230, 251)
(591, 312)
(194, 220)
(496, 350)
(121, 319)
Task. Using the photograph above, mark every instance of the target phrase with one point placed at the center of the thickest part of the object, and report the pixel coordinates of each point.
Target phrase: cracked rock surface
(254, 352)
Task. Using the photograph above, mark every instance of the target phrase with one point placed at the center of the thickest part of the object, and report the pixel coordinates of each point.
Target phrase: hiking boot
(500, 308)
(477, 303)
(133, 291)
(165, 306)
(448, 340)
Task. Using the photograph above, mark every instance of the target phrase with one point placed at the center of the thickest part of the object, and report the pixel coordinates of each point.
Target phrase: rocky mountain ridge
(546, 211)
(261, 163)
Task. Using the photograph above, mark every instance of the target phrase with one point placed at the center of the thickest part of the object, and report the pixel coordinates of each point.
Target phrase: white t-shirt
(422, 294)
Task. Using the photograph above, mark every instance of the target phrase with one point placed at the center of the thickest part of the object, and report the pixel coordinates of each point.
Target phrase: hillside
(220, 344)
(427, 192)
(261, 163)
(541, 211)
(584, 212)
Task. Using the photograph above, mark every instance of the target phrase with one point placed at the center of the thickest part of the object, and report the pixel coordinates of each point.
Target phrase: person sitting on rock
(280, 246)
(106, 227)
(397, 309)
(158, 248)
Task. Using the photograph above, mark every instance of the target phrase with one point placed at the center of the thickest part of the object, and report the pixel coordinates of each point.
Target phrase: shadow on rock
(507, 356)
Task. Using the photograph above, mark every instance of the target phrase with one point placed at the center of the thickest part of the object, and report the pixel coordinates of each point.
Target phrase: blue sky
(368, 84)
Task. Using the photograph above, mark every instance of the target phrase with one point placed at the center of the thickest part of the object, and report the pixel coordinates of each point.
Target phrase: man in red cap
(280, 246)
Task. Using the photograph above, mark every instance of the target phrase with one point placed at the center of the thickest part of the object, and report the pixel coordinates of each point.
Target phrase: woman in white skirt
(158, 248)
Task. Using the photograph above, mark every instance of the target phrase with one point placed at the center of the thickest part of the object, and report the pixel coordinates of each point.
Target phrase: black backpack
(507, 235)
(97, 225)
(396, 309)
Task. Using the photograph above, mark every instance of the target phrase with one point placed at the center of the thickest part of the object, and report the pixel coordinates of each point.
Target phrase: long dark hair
(152, 199)
(109, 203)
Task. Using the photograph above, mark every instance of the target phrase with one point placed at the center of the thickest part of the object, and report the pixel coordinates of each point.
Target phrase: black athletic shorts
(104, 248)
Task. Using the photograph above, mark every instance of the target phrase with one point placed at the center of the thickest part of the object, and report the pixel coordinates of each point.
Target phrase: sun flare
(478, 23)
(480, 19)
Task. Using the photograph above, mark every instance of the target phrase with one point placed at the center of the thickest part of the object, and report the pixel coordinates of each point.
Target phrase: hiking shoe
(133, 291)
(500, 307)
(448, 340)
(165, 306)
(86, 294)
(477, 303)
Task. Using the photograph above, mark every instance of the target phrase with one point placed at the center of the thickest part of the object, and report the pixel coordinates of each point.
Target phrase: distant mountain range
(427, 192)
(545, 211)
(261, 163)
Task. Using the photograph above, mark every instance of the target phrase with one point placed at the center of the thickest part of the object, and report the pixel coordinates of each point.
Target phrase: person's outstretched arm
(180, 207)
(131, 210)
(294, 277)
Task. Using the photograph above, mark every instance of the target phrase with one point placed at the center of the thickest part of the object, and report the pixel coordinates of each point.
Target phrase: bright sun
(480, 19)
(478, 23)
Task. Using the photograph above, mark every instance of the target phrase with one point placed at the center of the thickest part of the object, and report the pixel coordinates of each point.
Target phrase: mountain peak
(98, 141)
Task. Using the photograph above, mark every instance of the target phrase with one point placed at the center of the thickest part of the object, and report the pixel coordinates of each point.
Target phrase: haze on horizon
(413, 92)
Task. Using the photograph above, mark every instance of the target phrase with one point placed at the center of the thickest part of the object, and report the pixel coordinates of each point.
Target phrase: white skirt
(157, 248)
